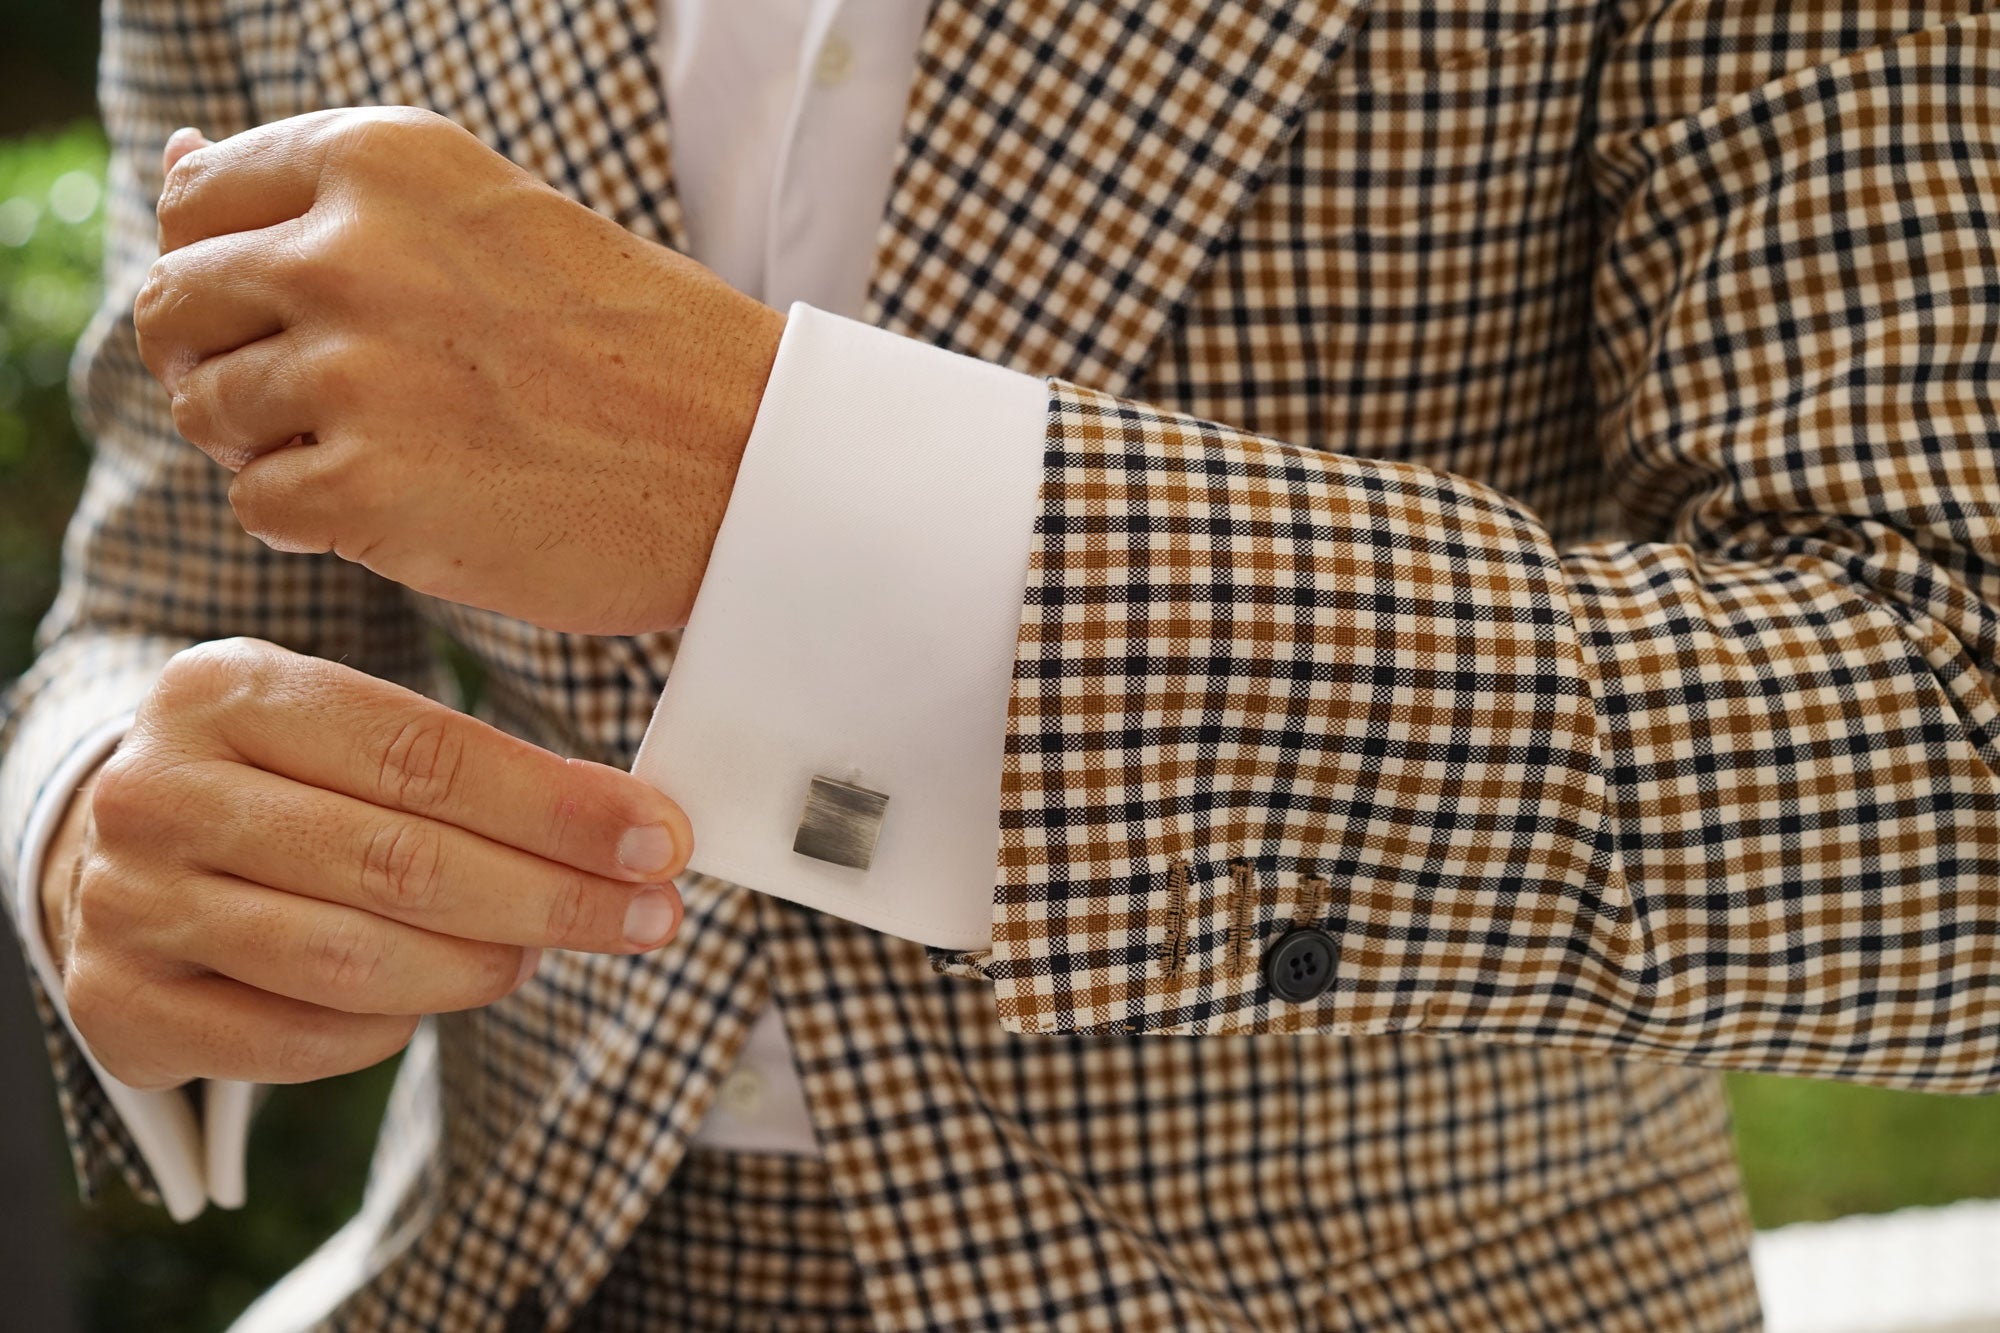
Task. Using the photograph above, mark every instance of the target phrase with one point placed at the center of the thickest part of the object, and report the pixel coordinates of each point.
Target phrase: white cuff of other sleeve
(858, 621)
(194, 1160)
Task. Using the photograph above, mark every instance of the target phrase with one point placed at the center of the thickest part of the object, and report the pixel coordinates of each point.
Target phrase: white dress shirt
(858, 615)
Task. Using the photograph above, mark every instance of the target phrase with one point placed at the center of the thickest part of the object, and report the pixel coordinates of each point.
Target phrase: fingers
(179, 144)
(337, 957)
(258, 178)
(434, 876)
(159, 1032)
(314, 499)
(208, 299)
(238, 406)
(334, 728)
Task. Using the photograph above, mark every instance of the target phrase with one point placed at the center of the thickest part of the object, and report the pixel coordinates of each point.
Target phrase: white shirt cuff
(192, 1161)
(857, 621)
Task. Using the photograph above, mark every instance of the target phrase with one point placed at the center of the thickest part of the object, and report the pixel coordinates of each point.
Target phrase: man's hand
(418, 356)
(286, 862)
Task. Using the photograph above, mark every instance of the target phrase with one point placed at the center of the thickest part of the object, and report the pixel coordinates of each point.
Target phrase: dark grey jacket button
(1300, 966)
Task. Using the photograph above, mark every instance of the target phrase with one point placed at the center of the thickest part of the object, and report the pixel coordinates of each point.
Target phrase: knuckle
(350, 483)
(560, 816)
(316, 1051)
(195, 412)
(108, 1021)
(124, 792)
(396, 126)
(418, 118)
(156, 297)
(394, 1036)
(276, 506)
(178, 188)
(121, 1063)
(101, 906)
(495, 973)
(218, 670)
(171, 913)
(402, 867)
(423, 763)
(342, 369)
(354, 139)
(260, 504)
(118, 908)
(589, 802)
(86, 999)
(324, 259)
(382, 144)
(304, 1053)
(569, 915)
(195, 670)
(141, 801)
(219, 677)
(143, 1077)
(347, 959)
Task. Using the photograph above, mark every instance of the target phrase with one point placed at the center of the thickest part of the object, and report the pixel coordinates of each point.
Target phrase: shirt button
(1299, 967)
(741, 1093)
(835, 63)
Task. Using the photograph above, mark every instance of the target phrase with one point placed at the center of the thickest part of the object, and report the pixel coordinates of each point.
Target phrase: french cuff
(193, 1159)
(835, 719)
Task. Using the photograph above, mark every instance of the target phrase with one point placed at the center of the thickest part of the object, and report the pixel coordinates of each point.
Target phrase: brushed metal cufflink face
(840, 823)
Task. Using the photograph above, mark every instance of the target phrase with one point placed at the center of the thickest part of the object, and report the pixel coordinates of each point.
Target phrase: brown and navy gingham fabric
(1585, 612)
(755, 1242)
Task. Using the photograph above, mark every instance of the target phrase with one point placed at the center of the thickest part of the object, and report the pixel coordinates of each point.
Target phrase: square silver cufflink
(840, 823)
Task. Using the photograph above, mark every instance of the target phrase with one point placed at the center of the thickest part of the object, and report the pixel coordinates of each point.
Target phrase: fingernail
(651, 918)
(648, 849)
(530, 960)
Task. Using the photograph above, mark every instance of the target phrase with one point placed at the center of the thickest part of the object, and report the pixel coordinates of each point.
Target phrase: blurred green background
(1810, 1150)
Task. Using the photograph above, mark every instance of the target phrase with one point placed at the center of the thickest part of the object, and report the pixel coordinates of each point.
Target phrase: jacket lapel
(569, 89)
(1069, 168)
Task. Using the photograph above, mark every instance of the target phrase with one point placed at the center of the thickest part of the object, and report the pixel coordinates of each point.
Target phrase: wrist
(751, 349)
(731, 368)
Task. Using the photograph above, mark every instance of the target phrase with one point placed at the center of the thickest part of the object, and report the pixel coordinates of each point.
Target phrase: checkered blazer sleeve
(155, 560)
(1726, 792)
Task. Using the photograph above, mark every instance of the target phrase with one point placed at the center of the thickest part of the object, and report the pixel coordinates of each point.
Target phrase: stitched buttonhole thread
(1175, 947)
(1312, 899)
(1242, 913)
